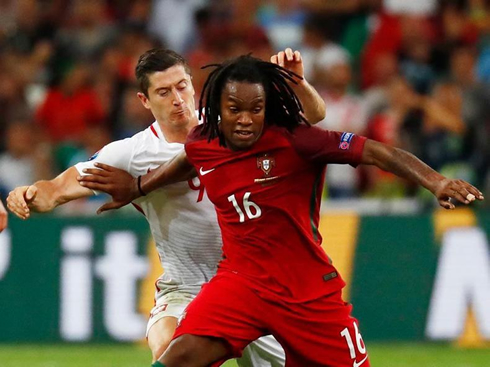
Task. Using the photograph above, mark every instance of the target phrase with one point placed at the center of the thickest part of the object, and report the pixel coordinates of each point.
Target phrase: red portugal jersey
(268, 203)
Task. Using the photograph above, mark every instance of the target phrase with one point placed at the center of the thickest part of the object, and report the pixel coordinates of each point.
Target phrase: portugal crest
(265, 163)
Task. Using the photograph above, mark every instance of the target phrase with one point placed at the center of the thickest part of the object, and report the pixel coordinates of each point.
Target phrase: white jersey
(187, 235)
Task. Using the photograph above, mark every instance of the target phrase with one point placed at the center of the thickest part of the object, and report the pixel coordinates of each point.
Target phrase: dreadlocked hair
(282, 106)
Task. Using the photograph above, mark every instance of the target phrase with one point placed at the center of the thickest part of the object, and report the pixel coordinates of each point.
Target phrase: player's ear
(144, 100)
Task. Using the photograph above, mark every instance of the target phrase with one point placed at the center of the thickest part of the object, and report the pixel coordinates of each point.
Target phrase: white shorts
(171, 304)
(263, 352)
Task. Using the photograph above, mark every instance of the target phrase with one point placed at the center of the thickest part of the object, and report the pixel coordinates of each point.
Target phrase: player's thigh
(195, 351)
(263, 352)
(225, 308)
(321, 333)
(163, 320)
(160, 335)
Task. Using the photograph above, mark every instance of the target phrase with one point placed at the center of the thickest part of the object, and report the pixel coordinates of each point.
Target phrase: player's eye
(182, 86)
(163, 93)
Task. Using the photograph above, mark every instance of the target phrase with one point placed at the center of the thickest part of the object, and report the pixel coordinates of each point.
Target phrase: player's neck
(177, 134)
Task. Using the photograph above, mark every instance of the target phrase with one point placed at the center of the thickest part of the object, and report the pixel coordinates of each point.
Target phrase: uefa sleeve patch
(94, 156)
(345, 140)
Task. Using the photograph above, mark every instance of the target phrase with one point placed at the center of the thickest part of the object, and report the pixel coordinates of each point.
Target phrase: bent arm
(175, 170)
(58, 191)
(313, 105)
(44, 196)
(314, 108)
(125, 188)
(408, 166)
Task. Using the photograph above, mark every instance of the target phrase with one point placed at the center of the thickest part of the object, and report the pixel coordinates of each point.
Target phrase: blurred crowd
(414, 74)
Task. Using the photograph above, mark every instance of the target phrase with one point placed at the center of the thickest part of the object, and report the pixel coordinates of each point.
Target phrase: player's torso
(267, 199)
(181, 217)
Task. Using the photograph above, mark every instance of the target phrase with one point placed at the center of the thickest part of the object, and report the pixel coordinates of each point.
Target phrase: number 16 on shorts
(357, 348)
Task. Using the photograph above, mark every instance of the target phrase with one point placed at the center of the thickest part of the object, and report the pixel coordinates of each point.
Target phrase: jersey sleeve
(325, 146)
(117, 154)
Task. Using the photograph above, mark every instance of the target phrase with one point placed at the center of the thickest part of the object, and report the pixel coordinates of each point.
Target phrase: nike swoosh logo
(203, 172)
(357, 364)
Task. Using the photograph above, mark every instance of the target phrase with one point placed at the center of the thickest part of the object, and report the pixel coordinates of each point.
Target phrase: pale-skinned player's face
(242, 113)
(171, 98)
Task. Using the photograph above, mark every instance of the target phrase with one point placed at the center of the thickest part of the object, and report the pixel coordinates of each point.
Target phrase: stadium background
(412, 74)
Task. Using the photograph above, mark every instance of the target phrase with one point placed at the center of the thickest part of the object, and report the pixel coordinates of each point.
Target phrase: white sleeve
(117, 154)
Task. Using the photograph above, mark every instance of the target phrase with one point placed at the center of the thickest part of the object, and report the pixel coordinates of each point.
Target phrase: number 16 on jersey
(251, 209)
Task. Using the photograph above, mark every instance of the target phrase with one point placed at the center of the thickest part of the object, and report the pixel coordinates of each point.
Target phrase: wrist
(435, 182)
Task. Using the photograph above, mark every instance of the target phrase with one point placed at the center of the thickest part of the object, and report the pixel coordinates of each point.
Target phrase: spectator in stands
(318, 48)
(25, 159)
(475, 110)
(172, 22)
(70, 107)
(345, 112)
(283, 21)
(87, 31)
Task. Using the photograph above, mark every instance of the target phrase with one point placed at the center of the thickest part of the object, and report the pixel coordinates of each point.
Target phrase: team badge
(265, 163)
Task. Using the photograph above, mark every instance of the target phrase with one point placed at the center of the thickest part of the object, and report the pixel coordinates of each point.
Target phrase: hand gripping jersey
(187, 237)
(268, 200)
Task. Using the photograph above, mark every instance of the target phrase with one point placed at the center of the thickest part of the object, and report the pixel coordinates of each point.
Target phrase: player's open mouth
(243, 135)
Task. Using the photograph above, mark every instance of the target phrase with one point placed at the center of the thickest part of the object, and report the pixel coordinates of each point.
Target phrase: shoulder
(314, 143)
(196, 134)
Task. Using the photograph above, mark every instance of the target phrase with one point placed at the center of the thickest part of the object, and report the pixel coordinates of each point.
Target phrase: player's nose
(177, 98)
(245, 118)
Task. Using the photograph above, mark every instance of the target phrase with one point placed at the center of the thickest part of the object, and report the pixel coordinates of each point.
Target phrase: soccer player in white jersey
(182, 220)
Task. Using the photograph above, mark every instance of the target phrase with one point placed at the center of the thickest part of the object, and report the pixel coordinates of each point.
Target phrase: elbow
(318, 115)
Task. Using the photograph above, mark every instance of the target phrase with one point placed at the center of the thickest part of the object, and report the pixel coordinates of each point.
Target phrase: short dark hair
(282, 106)
(157, 59)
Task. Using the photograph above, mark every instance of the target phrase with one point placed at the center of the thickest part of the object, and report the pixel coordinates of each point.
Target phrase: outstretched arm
(313, 105)
(3, 217)
(408, 166)
(124, 188)
(44, 196)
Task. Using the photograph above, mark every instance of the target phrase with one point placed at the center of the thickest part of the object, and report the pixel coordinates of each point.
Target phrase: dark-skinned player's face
(242, 113)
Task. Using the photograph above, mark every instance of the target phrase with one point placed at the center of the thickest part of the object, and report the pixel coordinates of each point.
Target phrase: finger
(96, 172)
(297, 56)
(110, 206)
(16, 197)
(30, 194)
(103, 166)
(274, 59)
(22, 213)
(96, 185)
(93, 178)
(460, 196)
(289, 54)
(280, 58)
(474, 191)
(446, 204)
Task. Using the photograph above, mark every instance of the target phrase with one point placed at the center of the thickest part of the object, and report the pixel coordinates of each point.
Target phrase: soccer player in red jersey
(263, 168)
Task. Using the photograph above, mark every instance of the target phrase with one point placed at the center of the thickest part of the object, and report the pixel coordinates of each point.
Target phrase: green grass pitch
(381, 355)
